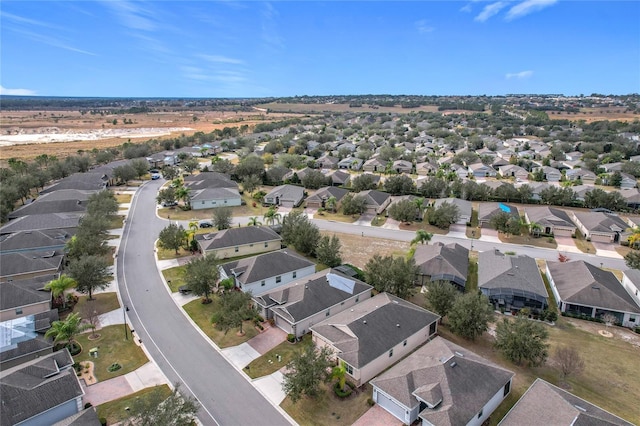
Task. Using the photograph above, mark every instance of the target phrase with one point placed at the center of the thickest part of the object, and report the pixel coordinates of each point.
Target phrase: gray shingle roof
(549, 216)
(372, 327)
(464, 206)
(209, 180)
(45, 207)
(546, 404)
(214, 194)
(439, 260)
(499, 271)
(374, 197)
(286, 193)
(31, 388)
(30, 262)
(428, 373)
(601, 222)
(34, 240)
(82, 181)
(308, 296)
(24, 292)
(42, 221)
(25, 347)
(237, 237)
(327, 192)
(256, 268)
(487, 210)
(87, 417)
(585, 284)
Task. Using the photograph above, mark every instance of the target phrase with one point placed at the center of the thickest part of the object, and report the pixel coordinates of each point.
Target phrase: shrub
(114, 367)
(88, 405)
(227, 283)
(103, 421)
(291, 338)
(342, 393)
(74, 348)
(371, 402)
(551, 316)
(259, 318)
(637, 330)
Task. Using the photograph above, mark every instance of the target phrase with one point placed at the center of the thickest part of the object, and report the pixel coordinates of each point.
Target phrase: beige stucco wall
(36, 308)
(229, 252)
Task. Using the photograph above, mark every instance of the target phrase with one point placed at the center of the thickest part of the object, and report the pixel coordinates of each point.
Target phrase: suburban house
(512, 170)
(402, 166)
(211, 189)
(319, 199)
(582, 288)
(511, 282)
(350, 163)
(25, 297)
(235, 242)
(460, 171)
(40, 392)
(537, 188)
(24, 265)
(499, 162)
(374, 165)
(327, 162)
(89, 181)
(628, 181)
(26, 241)
(339, 178)
(426, 168)
(442, 262)
(586, 176)
(598, 226)
(375, 334)
(442, 383)
(464, 208)
(631, 283)
(375, 201)
(481, 170)
(285, 195)
(297, 306)
(60, 221)
(632, 197)
(486, 211)
(550, 221)
(547, 404)
(46, 204)
(549, 173)
(264, 272)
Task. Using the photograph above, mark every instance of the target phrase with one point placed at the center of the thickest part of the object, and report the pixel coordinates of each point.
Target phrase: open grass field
(201, 315)
(175, 276)
(260, 367)
(112, 347)
(357, 250)
(115, 411)
(328, 409)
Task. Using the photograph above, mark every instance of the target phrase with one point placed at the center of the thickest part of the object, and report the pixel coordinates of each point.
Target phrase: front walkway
(271, 386)
(240, 355)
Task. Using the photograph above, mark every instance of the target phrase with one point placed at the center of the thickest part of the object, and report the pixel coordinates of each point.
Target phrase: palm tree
(272, 216)
(634, 238)
(340, 372)
(253, 221)
(59, 286)
(331, 203)
(419, 202)
(535, 228)
(67, 329)
(422, 236)
(193, 228)
(183, 193)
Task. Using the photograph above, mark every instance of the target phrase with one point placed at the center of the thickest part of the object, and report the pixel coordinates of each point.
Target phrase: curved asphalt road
(181, 352)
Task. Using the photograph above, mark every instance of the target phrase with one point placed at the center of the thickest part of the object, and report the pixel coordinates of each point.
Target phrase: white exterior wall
(552, 284)
(489, 408)
(256, 287)
(220, 202)
(631, 288)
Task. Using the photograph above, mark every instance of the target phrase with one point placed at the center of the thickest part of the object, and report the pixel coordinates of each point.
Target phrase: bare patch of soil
(358, 250)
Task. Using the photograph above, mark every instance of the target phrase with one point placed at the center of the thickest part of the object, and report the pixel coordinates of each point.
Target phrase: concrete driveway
(489, 235)
(365, 219)
(567, 244)
(606, 250)
(268, 339)
(457, 230)
(391, 224)
(377, 416)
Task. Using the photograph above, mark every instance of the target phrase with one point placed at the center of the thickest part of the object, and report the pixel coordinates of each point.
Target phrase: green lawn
(526, 239)
(582, 244)
(164, 254)
(176, 276)
(112, 347)
(472, 277)
(328, 409)
(115, 221)
(115, 411)
(336, 217)
(123, 198)
(378, 221)
(611, 378)
(262, 367)
(201, 315)
(101, 303)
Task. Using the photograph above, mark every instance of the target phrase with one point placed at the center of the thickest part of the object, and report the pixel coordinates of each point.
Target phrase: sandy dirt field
(597, 114)
(358, 250)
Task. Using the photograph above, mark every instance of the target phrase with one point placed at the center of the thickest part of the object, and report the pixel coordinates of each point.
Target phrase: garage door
(282, 324)
(562, 232)
(390, 405)
(601, 238)
(286, 203)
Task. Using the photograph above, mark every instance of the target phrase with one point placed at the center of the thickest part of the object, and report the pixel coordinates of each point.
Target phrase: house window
(262, 283)
(404, 343)
(203, 202)
(480, 414)
(349, 369)
(266, 244)
(357, 299)
(295, 274)
(507, 388)
(225, 201)
(328, 313)
(18, 311)
(278, 279)
(390, 353)
(632, 318)
(237, 249)
(432, 328)
(250, 245)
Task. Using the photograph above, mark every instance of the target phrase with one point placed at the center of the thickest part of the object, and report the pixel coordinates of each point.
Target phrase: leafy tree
(505, 222)
(569, 360)
(339, 372)
(172, 237)
(124, 173)
(363, 183)
(353, 204)
(251, 183)
(190, 164)
(102, 203)
(393, 275)
(422, 237)
(276, 174)
(90, 273)
(470, 315)
(222, 165)
(616, 179)
(272, 216)
(400, 185)
(90, 238)
(184, 193)
(328, 251)
(403, 211)
(154, 409)
(434, 188)
(444, 215)
(66, 330)
(525, 192)
(506, 192)
(440, 297)
(331, 203)
(201, 275)
(299, 232)
(167, 196)
(140, 165)
(170, 172)
(235, 307)
(222, 217)
(250, 165)
(314, 179)
(306, 371)
(521, 340)
(59, 286)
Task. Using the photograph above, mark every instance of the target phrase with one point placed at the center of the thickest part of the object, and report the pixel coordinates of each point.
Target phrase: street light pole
(124, 317)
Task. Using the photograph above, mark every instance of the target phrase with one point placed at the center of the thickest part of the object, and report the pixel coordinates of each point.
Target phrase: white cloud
(132, 15)
(527, 7)
(27, 21)
(17, 92)
(490, 10)
(219, 59)
(518, 75)
(52, 41)
(423, 27)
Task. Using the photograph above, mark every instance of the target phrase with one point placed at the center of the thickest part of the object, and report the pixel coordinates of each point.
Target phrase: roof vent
(459, 354)
(453, 364)
(307, 287)
(364, 322)
(580, 408)
(595, 287)
(398, 325)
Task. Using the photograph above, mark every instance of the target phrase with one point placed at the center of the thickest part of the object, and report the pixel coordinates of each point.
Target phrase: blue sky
(286, 48)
